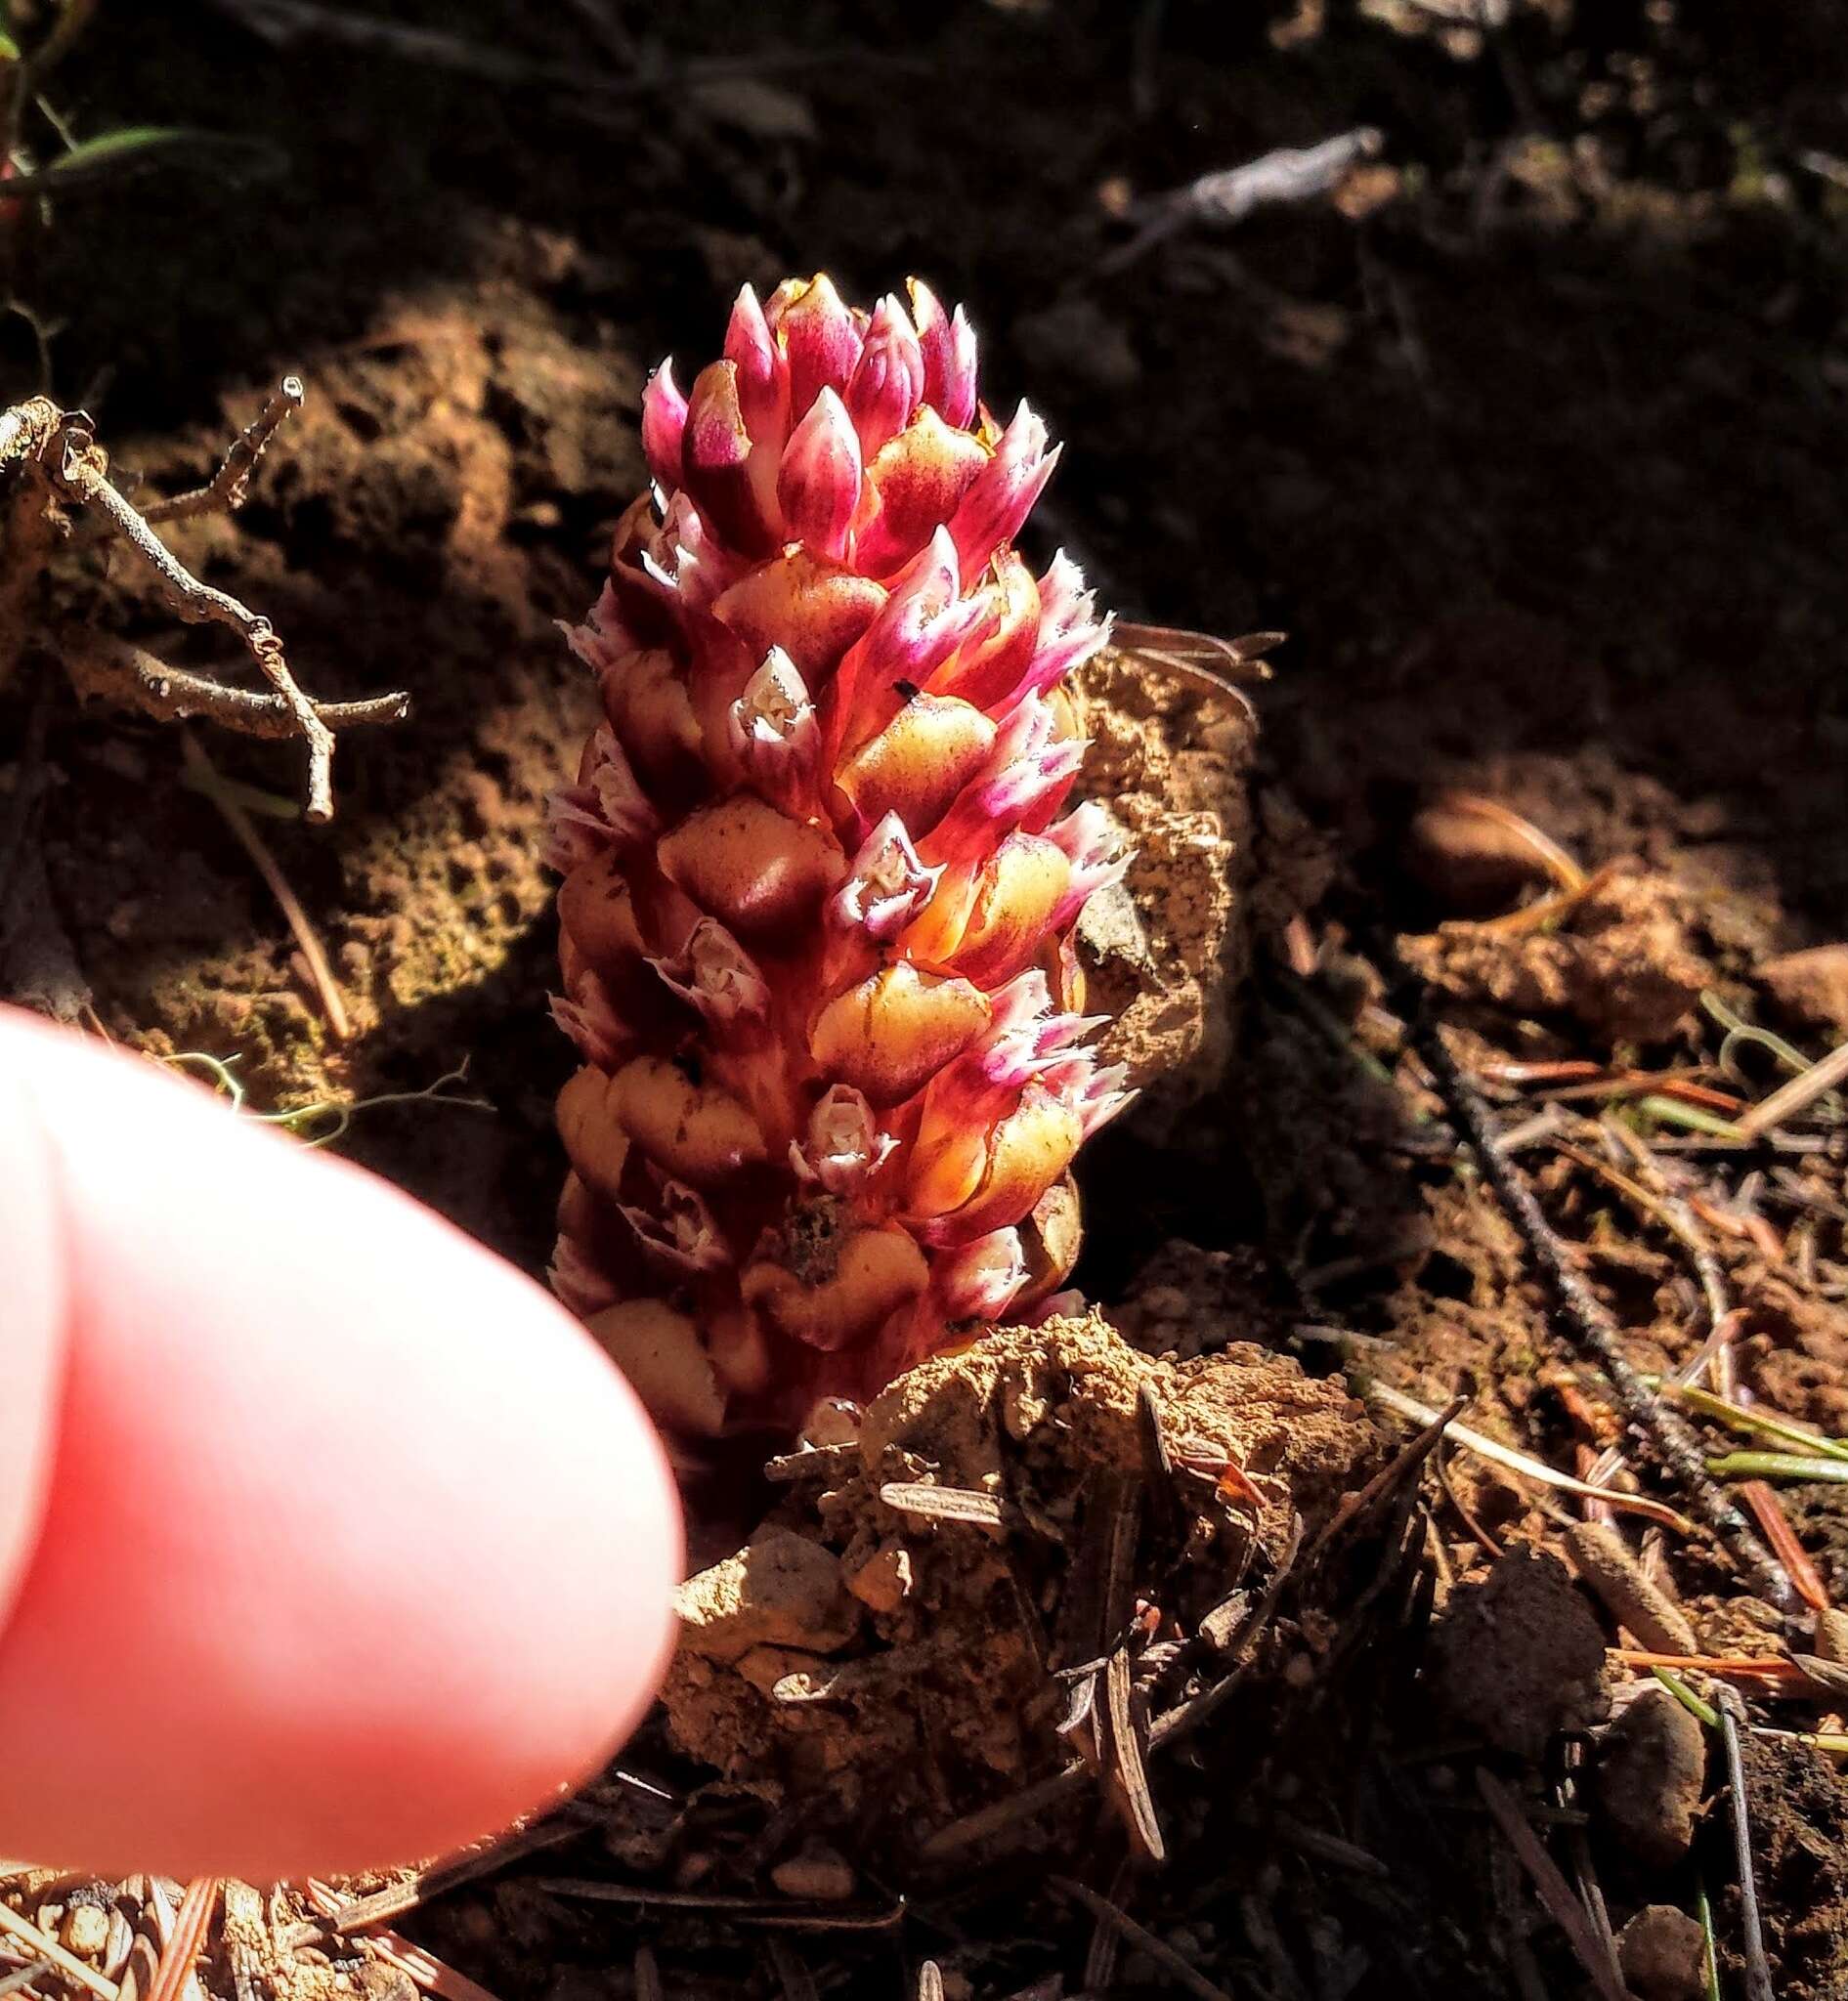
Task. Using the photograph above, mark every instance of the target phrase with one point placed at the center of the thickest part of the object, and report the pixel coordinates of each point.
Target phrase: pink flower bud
(818, 482)
(1095, 1097)
(921, 624)
(844, 1145)
(888, 380)
(578, 1280)
(588, 1017)
(980, 1280)
(1002, 495)
(718, 975)
(774, 730)
(677, 1229)
(763, 376)
(949, 356)
(1093, 842)
(1029, 773)
(1028, 1036)
(813, 609)
(605, 807)
(663, 425)
(918, 479)
(886, 886)
(818, 336)
(990, 667)
(720, 466)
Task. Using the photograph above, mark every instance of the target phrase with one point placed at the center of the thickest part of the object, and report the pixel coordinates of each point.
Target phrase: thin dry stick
(432, 1975)
(1141, 1937)
(120, 671)
(81, 472)
(381, 1906)
(1553, 1892)
(1732, 1710)
(25, 1976)
(1523, 1463)
(181, 1952)
(226, 492)
(37, 1942)
(1650, 1193)
(254, 845)
(1169, 1727)
(1798, 1095)
(1591, 1330)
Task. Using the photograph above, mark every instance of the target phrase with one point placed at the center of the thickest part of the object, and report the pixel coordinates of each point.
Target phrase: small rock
(764, 1667)
(1831, 1636)
(377, 1982)
(85, 1931)
(1811, 985)
(883, 1583)
(1519, 1656)
(1663, 1954)
(816, 1871)
(1470, 862)
(1650, 1777)
(833, 1421)
(780, 1591)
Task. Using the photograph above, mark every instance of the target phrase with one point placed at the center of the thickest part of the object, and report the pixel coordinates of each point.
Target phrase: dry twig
(1798, 1095)
(1591, 1328)
(43, 1947)
(1552, 1887)
(53, 458)
(1141, 1937)
(1757, 1967)
(307, 939)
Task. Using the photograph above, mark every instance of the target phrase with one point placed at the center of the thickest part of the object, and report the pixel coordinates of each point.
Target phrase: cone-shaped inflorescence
(820, 878)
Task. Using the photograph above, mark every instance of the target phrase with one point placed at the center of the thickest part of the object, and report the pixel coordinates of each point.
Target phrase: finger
(354, 1545)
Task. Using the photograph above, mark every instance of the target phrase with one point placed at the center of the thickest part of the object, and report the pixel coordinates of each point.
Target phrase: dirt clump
(1663, 1954)
(1794, 1346)
(1173, 766)
(1811, 986)
(1518, 1656)
(1799, 1818)
(1620, 965)
(912, 1681)
(1470, 862)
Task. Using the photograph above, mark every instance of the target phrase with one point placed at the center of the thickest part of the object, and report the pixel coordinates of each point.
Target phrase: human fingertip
(355, 1546)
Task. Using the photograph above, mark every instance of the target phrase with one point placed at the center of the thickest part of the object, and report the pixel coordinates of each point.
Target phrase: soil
(1531, 437)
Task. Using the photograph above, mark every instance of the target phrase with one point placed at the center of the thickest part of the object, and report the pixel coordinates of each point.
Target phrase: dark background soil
(1532, 439)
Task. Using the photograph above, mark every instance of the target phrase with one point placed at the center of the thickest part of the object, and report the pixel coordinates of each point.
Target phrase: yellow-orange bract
(820, 877)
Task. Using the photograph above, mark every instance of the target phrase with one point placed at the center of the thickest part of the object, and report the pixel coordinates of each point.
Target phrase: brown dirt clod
(1518, 1656)
(1620, 964)
(1663, 1954)
(1812, 986)
(1172, 767)
(941, 1697)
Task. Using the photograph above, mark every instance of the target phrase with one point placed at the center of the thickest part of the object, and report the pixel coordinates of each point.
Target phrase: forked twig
(55, 457)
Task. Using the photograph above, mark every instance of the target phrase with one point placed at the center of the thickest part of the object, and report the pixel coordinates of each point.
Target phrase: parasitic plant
(821, 873)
